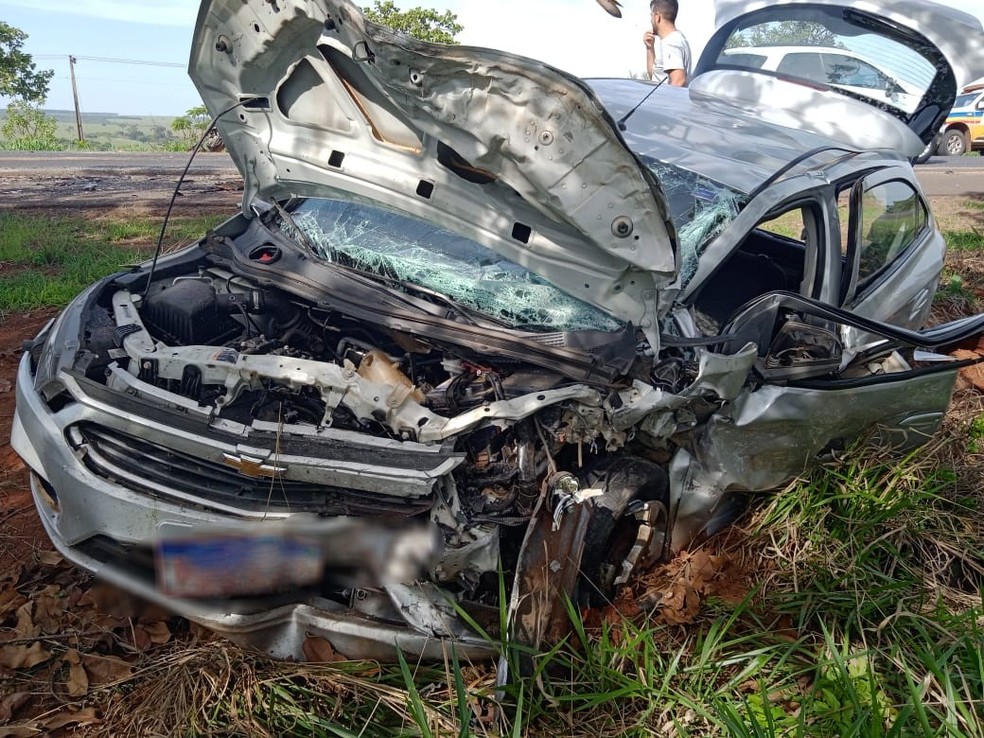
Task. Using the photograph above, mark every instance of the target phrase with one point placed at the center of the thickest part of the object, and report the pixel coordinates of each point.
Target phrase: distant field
(109, 131)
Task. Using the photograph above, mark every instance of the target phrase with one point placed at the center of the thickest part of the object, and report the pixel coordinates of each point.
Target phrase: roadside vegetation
(47, 260)
(19, 124)
(847, 604)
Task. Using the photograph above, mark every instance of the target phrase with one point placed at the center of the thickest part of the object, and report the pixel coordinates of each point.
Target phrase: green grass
(975, 436)
(47, 260)
(964, 240)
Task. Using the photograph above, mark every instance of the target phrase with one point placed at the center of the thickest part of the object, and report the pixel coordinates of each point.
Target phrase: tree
(191, 125)
(18, 77)
(26, 128)
(786, 33)
(423, 23)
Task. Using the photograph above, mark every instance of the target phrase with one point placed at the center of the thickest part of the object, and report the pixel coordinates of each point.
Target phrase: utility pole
(75, 96)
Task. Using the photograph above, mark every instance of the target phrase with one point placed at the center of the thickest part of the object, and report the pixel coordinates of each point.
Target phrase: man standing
(675, 49)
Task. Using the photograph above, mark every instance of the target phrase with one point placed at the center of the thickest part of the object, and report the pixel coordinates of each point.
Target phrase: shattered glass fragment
(700, 208)
(399, 247)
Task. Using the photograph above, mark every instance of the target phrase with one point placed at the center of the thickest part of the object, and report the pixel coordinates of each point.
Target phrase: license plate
(232, 564)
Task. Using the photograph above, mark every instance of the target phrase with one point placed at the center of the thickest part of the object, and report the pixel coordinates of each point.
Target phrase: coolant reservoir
(376, 366)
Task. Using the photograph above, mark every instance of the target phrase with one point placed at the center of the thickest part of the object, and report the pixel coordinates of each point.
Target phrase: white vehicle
(964, 127)
(836, 67)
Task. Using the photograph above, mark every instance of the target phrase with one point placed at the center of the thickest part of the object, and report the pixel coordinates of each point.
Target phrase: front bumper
(105, 528)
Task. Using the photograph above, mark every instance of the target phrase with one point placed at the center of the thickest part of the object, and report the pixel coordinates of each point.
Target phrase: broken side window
(778, 254)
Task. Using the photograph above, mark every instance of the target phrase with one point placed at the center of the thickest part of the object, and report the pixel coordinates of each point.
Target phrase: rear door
(918, 53)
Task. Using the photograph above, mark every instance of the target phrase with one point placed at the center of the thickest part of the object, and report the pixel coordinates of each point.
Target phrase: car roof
(713, 139)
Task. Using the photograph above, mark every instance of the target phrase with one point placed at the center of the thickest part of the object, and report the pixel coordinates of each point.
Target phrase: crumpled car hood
(324, 101)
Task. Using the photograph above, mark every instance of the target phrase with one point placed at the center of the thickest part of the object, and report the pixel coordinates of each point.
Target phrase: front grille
(137, 561)
(159, 471)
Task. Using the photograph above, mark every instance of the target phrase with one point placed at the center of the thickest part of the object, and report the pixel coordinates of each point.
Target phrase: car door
(811, 396)
(893, 252)
(925, 51)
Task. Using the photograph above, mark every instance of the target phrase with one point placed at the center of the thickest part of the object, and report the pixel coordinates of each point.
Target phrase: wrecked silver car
(486, 336)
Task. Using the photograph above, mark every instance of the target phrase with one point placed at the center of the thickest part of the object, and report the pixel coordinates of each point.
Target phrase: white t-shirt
(675, 52)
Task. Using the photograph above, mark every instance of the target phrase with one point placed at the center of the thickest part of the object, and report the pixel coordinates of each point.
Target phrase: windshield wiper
(472, 316)
(287, 218)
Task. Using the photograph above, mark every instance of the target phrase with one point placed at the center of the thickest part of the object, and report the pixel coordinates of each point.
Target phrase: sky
(574, 35)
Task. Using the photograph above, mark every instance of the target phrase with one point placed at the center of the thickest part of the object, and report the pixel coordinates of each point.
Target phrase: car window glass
(892, 216)
(963, 101)
(845, 70)
(400, 247)
(752, 61)
(823, 45)
(843, 215)
(701, 209)
(789, 225)
(804, 66)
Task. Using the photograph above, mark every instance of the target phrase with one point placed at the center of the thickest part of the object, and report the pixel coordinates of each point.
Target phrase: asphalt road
(939, 176)
(141, 161)
(952, 175)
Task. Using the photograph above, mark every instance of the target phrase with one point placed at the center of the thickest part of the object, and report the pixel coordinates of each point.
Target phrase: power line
(110, 60)
(86, 78)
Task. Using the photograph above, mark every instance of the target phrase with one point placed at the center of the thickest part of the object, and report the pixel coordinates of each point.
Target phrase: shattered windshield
(404, 248)
(700, 208)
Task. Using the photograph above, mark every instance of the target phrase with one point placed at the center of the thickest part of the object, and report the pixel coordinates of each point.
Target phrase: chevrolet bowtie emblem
(253, 467)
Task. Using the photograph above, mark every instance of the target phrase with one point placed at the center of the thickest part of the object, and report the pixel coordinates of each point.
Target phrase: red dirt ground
(22, 536)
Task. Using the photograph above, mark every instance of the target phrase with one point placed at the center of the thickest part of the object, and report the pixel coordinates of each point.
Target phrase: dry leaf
(10, 599)
(49, 612)
(318, 650)
(51, 558)
(81, 717)
(78, 681)
(970, 376)
(200, 633)
(158, 632)
(110, 600)
(25, 627)
(106, 623)
(680, 584)
(5, 385)
(10, 704)
(151, 612)
(146, 635)
(104, 669)
(25, 730)
(139, 638)
(14, 575)
(23, 657)
(680, 604)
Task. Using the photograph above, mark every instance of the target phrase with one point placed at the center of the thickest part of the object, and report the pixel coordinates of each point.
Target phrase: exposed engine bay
(565, 460)
(487, 441)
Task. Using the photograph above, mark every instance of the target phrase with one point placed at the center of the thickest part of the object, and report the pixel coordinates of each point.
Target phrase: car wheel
(635, 493)
(954, 143)
(927, 152)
